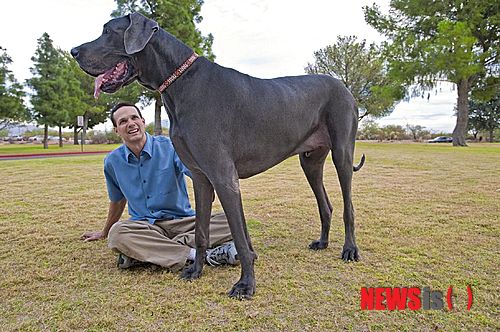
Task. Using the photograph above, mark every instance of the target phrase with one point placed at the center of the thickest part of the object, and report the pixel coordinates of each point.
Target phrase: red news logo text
(400, 298)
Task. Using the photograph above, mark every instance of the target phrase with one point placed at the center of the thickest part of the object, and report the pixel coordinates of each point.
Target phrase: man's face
(129, 125)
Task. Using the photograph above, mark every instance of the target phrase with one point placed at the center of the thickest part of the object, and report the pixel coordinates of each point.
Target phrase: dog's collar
(178, 72)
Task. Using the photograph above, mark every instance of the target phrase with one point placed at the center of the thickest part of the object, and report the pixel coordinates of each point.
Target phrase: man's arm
(115, 212)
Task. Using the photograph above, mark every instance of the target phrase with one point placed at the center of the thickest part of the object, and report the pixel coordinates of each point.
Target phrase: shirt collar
(147, 149)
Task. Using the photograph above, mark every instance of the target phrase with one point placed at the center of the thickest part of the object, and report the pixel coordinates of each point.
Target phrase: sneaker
(125, 262)
(223, 254)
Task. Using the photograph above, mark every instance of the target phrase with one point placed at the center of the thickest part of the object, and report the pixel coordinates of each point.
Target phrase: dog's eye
(105, 31)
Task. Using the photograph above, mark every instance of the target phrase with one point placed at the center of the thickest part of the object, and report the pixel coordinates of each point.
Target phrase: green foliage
(12, 107)
(394, 132)
(62, 91)
(370, 130)
(97, 137)
(485, 115)
(454, 40)
(437, 40)
(49, 84)
(113, 137)
(93, 110)
(179, 17)
(362, 69)
(39, 132)
(56, 95)
(150, 129)
(417, 132)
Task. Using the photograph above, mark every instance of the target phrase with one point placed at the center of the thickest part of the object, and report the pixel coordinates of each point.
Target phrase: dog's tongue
(97, 85)
(109, 75)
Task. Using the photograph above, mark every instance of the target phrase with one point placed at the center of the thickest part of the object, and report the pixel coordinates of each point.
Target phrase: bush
(112, 137)
(98, 138)
(150, 129)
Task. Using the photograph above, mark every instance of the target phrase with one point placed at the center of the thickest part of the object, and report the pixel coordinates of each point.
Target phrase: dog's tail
(361, 163)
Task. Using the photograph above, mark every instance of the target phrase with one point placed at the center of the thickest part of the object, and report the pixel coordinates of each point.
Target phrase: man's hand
(92, 236)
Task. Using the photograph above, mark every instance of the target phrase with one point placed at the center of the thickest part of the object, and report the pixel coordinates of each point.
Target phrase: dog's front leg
(228, 191)
(203, 195)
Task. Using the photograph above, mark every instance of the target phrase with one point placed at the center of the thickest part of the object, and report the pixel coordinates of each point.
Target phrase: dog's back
(264, 121)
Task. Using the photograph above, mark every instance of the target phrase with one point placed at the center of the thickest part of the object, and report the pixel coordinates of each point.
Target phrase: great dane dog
(227, 126)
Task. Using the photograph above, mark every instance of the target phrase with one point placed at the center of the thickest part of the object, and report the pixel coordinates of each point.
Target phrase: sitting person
(147, 173)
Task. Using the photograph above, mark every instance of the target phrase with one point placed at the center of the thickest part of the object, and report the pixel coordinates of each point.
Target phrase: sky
(262, 38)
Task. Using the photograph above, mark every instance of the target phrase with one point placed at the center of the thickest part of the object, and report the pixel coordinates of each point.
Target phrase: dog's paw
(350, 253)
(191, 273)
(318, 245)
(242, 290)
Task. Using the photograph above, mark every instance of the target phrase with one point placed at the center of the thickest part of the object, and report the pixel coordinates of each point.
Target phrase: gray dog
(226, 126)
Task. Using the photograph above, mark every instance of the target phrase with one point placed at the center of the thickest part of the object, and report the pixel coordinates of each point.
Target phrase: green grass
(38, 148)
(426, 216)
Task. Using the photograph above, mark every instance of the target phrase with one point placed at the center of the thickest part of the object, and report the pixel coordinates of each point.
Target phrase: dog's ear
(138, 33)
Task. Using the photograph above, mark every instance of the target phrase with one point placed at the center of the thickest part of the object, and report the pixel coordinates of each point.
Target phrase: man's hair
(120, 105)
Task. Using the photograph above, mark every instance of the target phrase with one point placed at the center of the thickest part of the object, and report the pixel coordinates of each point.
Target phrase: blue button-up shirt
(153, 185)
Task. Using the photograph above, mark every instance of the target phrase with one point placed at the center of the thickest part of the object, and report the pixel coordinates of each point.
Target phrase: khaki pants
(166, 243)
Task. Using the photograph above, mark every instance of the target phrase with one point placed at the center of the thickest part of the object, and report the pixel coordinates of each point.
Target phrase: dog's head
(110, 58)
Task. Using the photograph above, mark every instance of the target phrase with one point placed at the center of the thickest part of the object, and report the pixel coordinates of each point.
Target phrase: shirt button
(143, 181)
(148, 197)
(141, 165)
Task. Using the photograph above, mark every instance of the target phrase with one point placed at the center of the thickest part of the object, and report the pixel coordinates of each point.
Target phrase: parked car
(55, 138)
(441, 139)
(36, 138)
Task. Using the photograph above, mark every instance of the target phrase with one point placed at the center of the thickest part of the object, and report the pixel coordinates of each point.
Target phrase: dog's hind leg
(312, 163)
(203, 194)
(343, 158)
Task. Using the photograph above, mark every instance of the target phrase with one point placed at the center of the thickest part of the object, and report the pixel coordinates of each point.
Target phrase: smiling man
(147, 173)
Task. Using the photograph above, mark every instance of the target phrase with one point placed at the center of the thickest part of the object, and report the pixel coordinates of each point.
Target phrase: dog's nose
(74, 52)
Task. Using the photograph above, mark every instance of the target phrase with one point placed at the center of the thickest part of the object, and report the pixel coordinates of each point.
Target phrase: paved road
(48, 155)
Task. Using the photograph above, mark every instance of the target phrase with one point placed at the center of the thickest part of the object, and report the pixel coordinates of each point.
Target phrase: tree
(94, 111)
(485, 116)
(71, 97)
(48, 85)
(452, 40)
(417, 131)
(362, 69)
(177, 17)
(370, 130)
(393, 132)
(12, 108)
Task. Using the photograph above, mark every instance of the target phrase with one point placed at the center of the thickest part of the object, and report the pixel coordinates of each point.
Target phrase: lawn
(426, 215)
(7, 149)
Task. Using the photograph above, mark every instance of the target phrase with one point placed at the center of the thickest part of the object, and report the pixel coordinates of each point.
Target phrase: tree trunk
(46, 136)
(158, 104)
(462, 113)
(75, 135)
(492, 134)
(60, 137)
